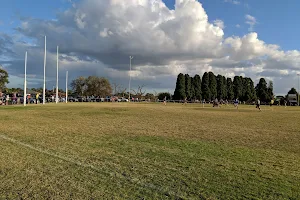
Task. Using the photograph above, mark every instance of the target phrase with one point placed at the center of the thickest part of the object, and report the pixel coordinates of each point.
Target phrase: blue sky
(12, 10)
(277, 20)
(97, 40)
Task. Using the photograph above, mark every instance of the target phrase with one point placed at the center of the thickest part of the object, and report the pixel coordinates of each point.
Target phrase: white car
(122, 100)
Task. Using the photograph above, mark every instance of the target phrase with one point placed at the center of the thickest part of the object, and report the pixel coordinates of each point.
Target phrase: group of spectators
(4, 99)
(11, 100)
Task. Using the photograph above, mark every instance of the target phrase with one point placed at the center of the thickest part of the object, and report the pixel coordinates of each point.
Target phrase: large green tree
(91, 86)
(238, 87)
(79, 86)
(3, 79)
(192, 91)
(98, 86)
(246, 96)
(212, 85)
(220, 86)
(149, 96)
(162, 95)
(292, 91)
(205, 87)
(197, 87)
(270, 90)
(262, 90)
(252, 89)
(179, 93)
(224, 88)
(188, 86)
(230, 93)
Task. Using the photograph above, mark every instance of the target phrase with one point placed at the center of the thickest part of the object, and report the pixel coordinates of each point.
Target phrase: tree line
(3, 79)
(207, 87)
(91, 86)
(210, 87)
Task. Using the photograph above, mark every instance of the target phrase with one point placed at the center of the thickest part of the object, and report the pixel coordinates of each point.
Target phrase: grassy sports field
(149, 151)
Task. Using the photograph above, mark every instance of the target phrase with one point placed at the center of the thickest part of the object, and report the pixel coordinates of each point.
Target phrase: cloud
(251, 21)
(238, 26)
(219, 23)
(97, 38)
(5, 46)
(235, 2)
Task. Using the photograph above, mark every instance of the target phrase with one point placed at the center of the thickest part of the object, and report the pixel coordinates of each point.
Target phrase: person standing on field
(258, 104)
(271, 104)
(285, 102)
(236, 103)
(185, 101)
(165, 100)
(36, 98)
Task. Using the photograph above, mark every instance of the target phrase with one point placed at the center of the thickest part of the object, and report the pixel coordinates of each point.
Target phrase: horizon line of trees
(210, 87)
(207, 87)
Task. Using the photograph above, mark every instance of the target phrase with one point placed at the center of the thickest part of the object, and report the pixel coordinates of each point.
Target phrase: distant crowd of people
(236, 102)
(34, 99)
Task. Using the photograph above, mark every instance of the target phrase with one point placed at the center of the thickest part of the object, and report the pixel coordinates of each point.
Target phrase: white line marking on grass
(46, 152)
(70, 160)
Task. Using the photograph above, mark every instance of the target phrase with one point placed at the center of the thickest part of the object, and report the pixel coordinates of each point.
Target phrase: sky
(250, 38)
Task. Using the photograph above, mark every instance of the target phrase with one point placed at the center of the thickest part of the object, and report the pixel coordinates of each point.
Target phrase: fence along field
(150, 151)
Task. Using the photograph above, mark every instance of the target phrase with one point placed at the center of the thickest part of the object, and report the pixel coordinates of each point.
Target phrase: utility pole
(130, 58)
(44, 87)
(298, 89)
(25, 81)
(56, 100)
(67, 87)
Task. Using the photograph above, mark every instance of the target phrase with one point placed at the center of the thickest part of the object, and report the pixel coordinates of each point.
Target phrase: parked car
(124, 100)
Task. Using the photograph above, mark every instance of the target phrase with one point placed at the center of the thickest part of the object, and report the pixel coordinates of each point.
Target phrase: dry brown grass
(149, 151)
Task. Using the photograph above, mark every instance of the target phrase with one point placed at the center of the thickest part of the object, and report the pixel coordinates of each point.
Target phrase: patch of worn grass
(150, 151)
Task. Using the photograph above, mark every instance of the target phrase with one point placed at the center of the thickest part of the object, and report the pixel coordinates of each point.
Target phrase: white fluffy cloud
(219, 23)
(233, 2)
(251, 21)
(97, 37)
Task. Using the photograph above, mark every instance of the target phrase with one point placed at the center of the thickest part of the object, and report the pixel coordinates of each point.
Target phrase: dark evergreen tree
(179, 93)
(292, 91)
(244, 87)
(238, 87)
(197, 87)
(262, 90)
(224, 88)
(188, 86)
(252, 89)
(230, 93)
(270, 91)
(220, 87)
(205, 87)
(212, 85)
(247, 96)
(192, 88)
